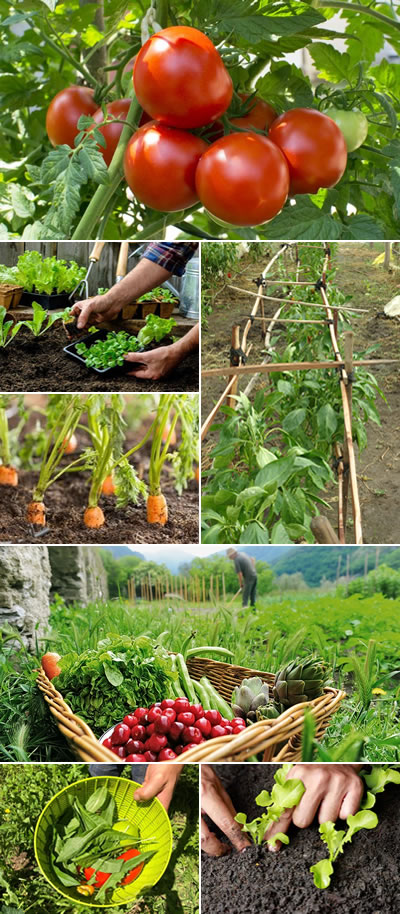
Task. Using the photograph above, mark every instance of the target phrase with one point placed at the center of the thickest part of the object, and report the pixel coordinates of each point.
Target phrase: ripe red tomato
(314, 147)
(243, 179)
(64, 112)
(260, 115)
(160, 167)
(180, 78)
(112, 132)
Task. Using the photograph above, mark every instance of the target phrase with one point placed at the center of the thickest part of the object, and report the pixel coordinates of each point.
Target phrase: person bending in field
(245, 566)
(159, 261)
(157, 780)
(333, 791)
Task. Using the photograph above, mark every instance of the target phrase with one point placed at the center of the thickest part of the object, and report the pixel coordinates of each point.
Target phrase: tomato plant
(353, 124)
(111, 126)
(187, 58)
(314, 147)
(243, 179)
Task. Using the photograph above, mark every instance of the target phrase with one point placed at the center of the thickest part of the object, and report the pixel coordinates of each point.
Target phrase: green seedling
(37, 325)
(158, 294)
(284, 795)
(8, 330)
(335, 839)
(47, 275)
(110, 352)
(156, 329)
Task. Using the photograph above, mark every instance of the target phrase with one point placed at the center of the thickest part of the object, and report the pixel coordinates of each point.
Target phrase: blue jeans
(114, 771)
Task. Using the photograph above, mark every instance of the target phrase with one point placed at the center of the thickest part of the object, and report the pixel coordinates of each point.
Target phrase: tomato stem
(358, 8)
(162, 13)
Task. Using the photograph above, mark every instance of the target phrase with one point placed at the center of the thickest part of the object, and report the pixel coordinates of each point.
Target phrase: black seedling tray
(54, 302)
(90, 339)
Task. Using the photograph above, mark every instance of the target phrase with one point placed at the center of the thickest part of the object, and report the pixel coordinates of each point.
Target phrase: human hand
(94, 310)
(160, 781)
(155, 364)
(335, 790)
(217, 804)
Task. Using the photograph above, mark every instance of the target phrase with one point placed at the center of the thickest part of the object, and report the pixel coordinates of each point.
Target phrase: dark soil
(30, 364)
(65, 504)
(366, 879)
(370, 287)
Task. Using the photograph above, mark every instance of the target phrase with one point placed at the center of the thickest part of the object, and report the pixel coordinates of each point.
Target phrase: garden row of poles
(194, 589)
(240, 350)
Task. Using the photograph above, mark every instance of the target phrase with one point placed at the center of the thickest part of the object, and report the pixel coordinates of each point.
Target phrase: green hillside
(317, 562)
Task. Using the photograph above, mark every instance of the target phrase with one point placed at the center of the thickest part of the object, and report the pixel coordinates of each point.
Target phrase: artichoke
(267, 713)
(300, 680)
(248, 697)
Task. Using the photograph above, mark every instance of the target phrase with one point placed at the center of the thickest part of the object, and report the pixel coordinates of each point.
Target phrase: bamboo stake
(217, 588)
(289, 301)
(223, 587)
(150, 589)
(211, 588)
(235, 343)
(204, 589)
(294, 320)
(216, 408)
(186, 588)
(258, 295)
(323, 530)
(290, 366)
(348, 360)
(198, 590)
(181, 587)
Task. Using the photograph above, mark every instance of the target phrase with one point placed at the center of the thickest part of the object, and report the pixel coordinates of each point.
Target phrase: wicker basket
(10, 295)
(278, 739)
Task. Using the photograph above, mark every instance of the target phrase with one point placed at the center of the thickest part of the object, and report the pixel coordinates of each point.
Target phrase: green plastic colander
(150, 817)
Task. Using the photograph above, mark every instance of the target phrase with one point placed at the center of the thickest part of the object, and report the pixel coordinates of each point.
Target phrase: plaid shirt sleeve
(172, 256)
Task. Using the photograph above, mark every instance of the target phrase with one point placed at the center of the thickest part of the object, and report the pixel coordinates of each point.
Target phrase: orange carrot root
(8, 476)
(70, 444)
(108, 487)
(36, 513)
(196, 474)
(93, 518)
(166, 433)
(157, 510)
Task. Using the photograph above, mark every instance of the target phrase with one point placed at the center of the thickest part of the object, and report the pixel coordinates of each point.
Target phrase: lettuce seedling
(284, 795)
(155, 329)
(365, 818)
(37, 324)
(8, 330)
(109, 352)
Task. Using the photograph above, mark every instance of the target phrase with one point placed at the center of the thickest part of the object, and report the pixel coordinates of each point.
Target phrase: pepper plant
(69, 191)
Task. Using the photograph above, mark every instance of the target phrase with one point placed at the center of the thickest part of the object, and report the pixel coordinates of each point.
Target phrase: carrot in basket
(108, 487)
(8, 476)
(157, 510)
(36, 513)
(93, 518)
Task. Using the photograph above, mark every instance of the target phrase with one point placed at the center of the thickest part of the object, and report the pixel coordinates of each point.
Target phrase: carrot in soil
(93, 518)
(8, 476)
(70, 444)
(165, 434)
(108, 487)
(157, 510)
(36, 513)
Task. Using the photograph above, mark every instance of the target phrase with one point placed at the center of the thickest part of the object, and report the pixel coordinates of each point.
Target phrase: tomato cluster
(241, 178)
(167, 729)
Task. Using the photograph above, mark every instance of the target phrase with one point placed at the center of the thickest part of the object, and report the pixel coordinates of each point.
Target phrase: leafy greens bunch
(110, 352)
(48, 274)
(122, 672)
(93, 841)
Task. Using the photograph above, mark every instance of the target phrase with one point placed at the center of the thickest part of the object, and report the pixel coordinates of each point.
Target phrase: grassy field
(336, 627)
(24, 791)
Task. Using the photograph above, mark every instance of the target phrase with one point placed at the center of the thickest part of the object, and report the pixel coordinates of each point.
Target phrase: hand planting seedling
(37, 324)
(285, 794)
(95, 850)
(110, 352)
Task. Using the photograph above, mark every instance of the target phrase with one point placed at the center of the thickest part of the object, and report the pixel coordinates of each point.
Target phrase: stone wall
(77, 574)
(25, 578)
(31, 575)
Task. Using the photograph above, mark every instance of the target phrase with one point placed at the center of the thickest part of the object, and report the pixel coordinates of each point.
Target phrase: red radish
(154, 712)
(107, 742)
(225, 722)
(192, 735)
(175, 731)
(181, 704)
(218, 730)
(186, 718)
(237, 722)
(170, 714)
(189, 746)
(204, 726)
(150, 729)
(130, 720)
(238, 730)
(49, 663)
(134, 745)
(120, 735)
(179, 750)
(135, 757)
(197, 710)
(213, 716)
(166, 755)
(228, 728)
(168, 703)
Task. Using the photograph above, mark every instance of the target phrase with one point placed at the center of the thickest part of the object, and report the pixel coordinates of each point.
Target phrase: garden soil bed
(366, 878)
(378, 466)
(30, 364)
(65, 502)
